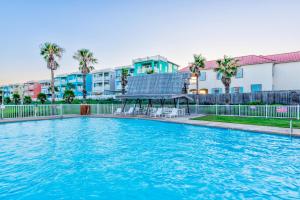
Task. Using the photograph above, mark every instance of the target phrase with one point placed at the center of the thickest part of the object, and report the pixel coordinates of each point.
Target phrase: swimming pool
(95, 158)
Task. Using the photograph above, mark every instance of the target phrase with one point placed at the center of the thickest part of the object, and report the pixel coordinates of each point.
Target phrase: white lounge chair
(152, 111)
(118, 111)
(158, 113)
(130, 111)
(136, 110)
(173, 113)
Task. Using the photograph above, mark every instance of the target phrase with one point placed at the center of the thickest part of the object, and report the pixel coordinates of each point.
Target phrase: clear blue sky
(119, 30)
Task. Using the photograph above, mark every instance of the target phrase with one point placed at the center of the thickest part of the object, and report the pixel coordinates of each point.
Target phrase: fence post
(97, 108)
(239, 109)
(2, 111)
(35, 110)
(298, 111)
(266, 111)
(112, 108)
(216, 109)
(61, 110)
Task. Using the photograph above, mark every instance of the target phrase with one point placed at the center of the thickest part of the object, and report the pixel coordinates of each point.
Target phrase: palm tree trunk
(227, 82)
(123, 87)
(52, 87)
(197, 85)
(197, 88)
(84, 86)
(227, 88)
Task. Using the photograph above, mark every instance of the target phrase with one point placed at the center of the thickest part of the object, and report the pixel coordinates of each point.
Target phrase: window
(237, 90)
(219, 76)
(216, 90)
(202, 76)
(256, 87)
(239, 73)
(145, 68)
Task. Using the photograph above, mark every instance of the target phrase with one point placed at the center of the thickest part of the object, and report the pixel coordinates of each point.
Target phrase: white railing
(24, 111)
(265, 111)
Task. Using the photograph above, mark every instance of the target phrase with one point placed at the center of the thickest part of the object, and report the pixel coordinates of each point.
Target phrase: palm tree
(42, 97)
(6, 100)
(124, 76)
(150, 71)
(227, 67)
(69, 96)
(2, 96)
(85, 58)
(51, 52)
(195, 67)
(27, 100)
(16, 98)
(55, 89)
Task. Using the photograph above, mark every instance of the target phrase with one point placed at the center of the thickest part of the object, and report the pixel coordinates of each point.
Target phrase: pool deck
(179, 120)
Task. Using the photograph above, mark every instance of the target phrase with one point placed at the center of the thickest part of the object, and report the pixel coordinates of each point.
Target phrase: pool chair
(158, 113)
(173, 113)
(137, 110)
(118, 111)
(130, 111)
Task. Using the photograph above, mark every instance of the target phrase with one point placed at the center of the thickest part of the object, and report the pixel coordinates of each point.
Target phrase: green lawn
(283, 123)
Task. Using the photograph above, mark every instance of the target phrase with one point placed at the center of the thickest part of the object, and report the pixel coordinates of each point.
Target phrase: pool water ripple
(94, 158)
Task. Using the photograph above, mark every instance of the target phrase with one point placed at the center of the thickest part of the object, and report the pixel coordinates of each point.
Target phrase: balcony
(72, 80)
(98, 89)
(98, 79)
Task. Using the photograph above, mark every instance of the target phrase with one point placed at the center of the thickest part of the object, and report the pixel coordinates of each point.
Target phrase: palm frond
(85, 58)
(51, 52)
(198, 64)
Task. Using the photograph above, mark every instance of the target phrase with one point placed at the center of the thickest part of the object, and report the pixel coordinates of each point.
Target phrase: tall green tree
(227, 68)
(86, 61)
(27, 100)
(124, 79)
(16, 98)
(195, 67)
(42, 97)
(51, 52)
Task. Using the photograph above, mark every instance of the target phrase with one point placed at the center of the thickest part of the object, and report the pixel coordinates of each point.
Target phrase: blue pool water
(93, 158)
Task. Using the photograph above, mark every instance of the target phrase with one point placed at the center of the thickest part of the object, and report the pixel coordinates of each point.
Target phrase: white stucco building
(103, 81)
(256, 73)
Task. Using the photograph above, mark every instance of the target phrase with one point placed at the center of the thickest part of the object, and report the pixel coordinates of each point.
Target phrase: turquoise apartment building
(62, 82)
(6, 90)
(118, 74)
(157, 63)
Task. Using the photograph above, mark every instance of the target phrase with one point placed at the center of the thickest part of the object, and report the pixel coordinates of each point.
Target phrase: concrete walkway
(244, 127)
(180, 120)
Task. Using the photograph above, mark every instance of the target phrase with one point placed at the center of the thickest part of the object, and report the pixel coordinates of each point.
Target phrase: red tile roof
(285, 57)
(254, 59)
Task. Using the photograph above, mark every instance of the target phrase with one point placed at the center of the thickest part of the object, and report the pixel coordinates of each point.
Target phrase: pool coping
(179, 120)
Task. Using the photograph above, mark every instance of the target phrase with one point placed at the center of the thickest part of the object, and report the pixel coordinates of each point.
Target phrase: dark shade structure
(165, 86)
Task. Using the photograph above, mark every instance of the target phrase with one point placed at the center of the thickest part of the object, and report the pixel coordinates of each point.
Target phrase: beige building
(255, 74)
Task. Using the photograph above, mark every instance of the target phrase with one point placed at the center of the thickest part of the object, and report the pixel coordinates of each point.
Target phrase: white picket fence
(266, 111)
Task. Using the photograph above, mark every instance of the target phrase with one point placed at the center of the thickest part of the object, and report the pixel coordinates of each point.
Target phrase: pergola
(157, 87)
